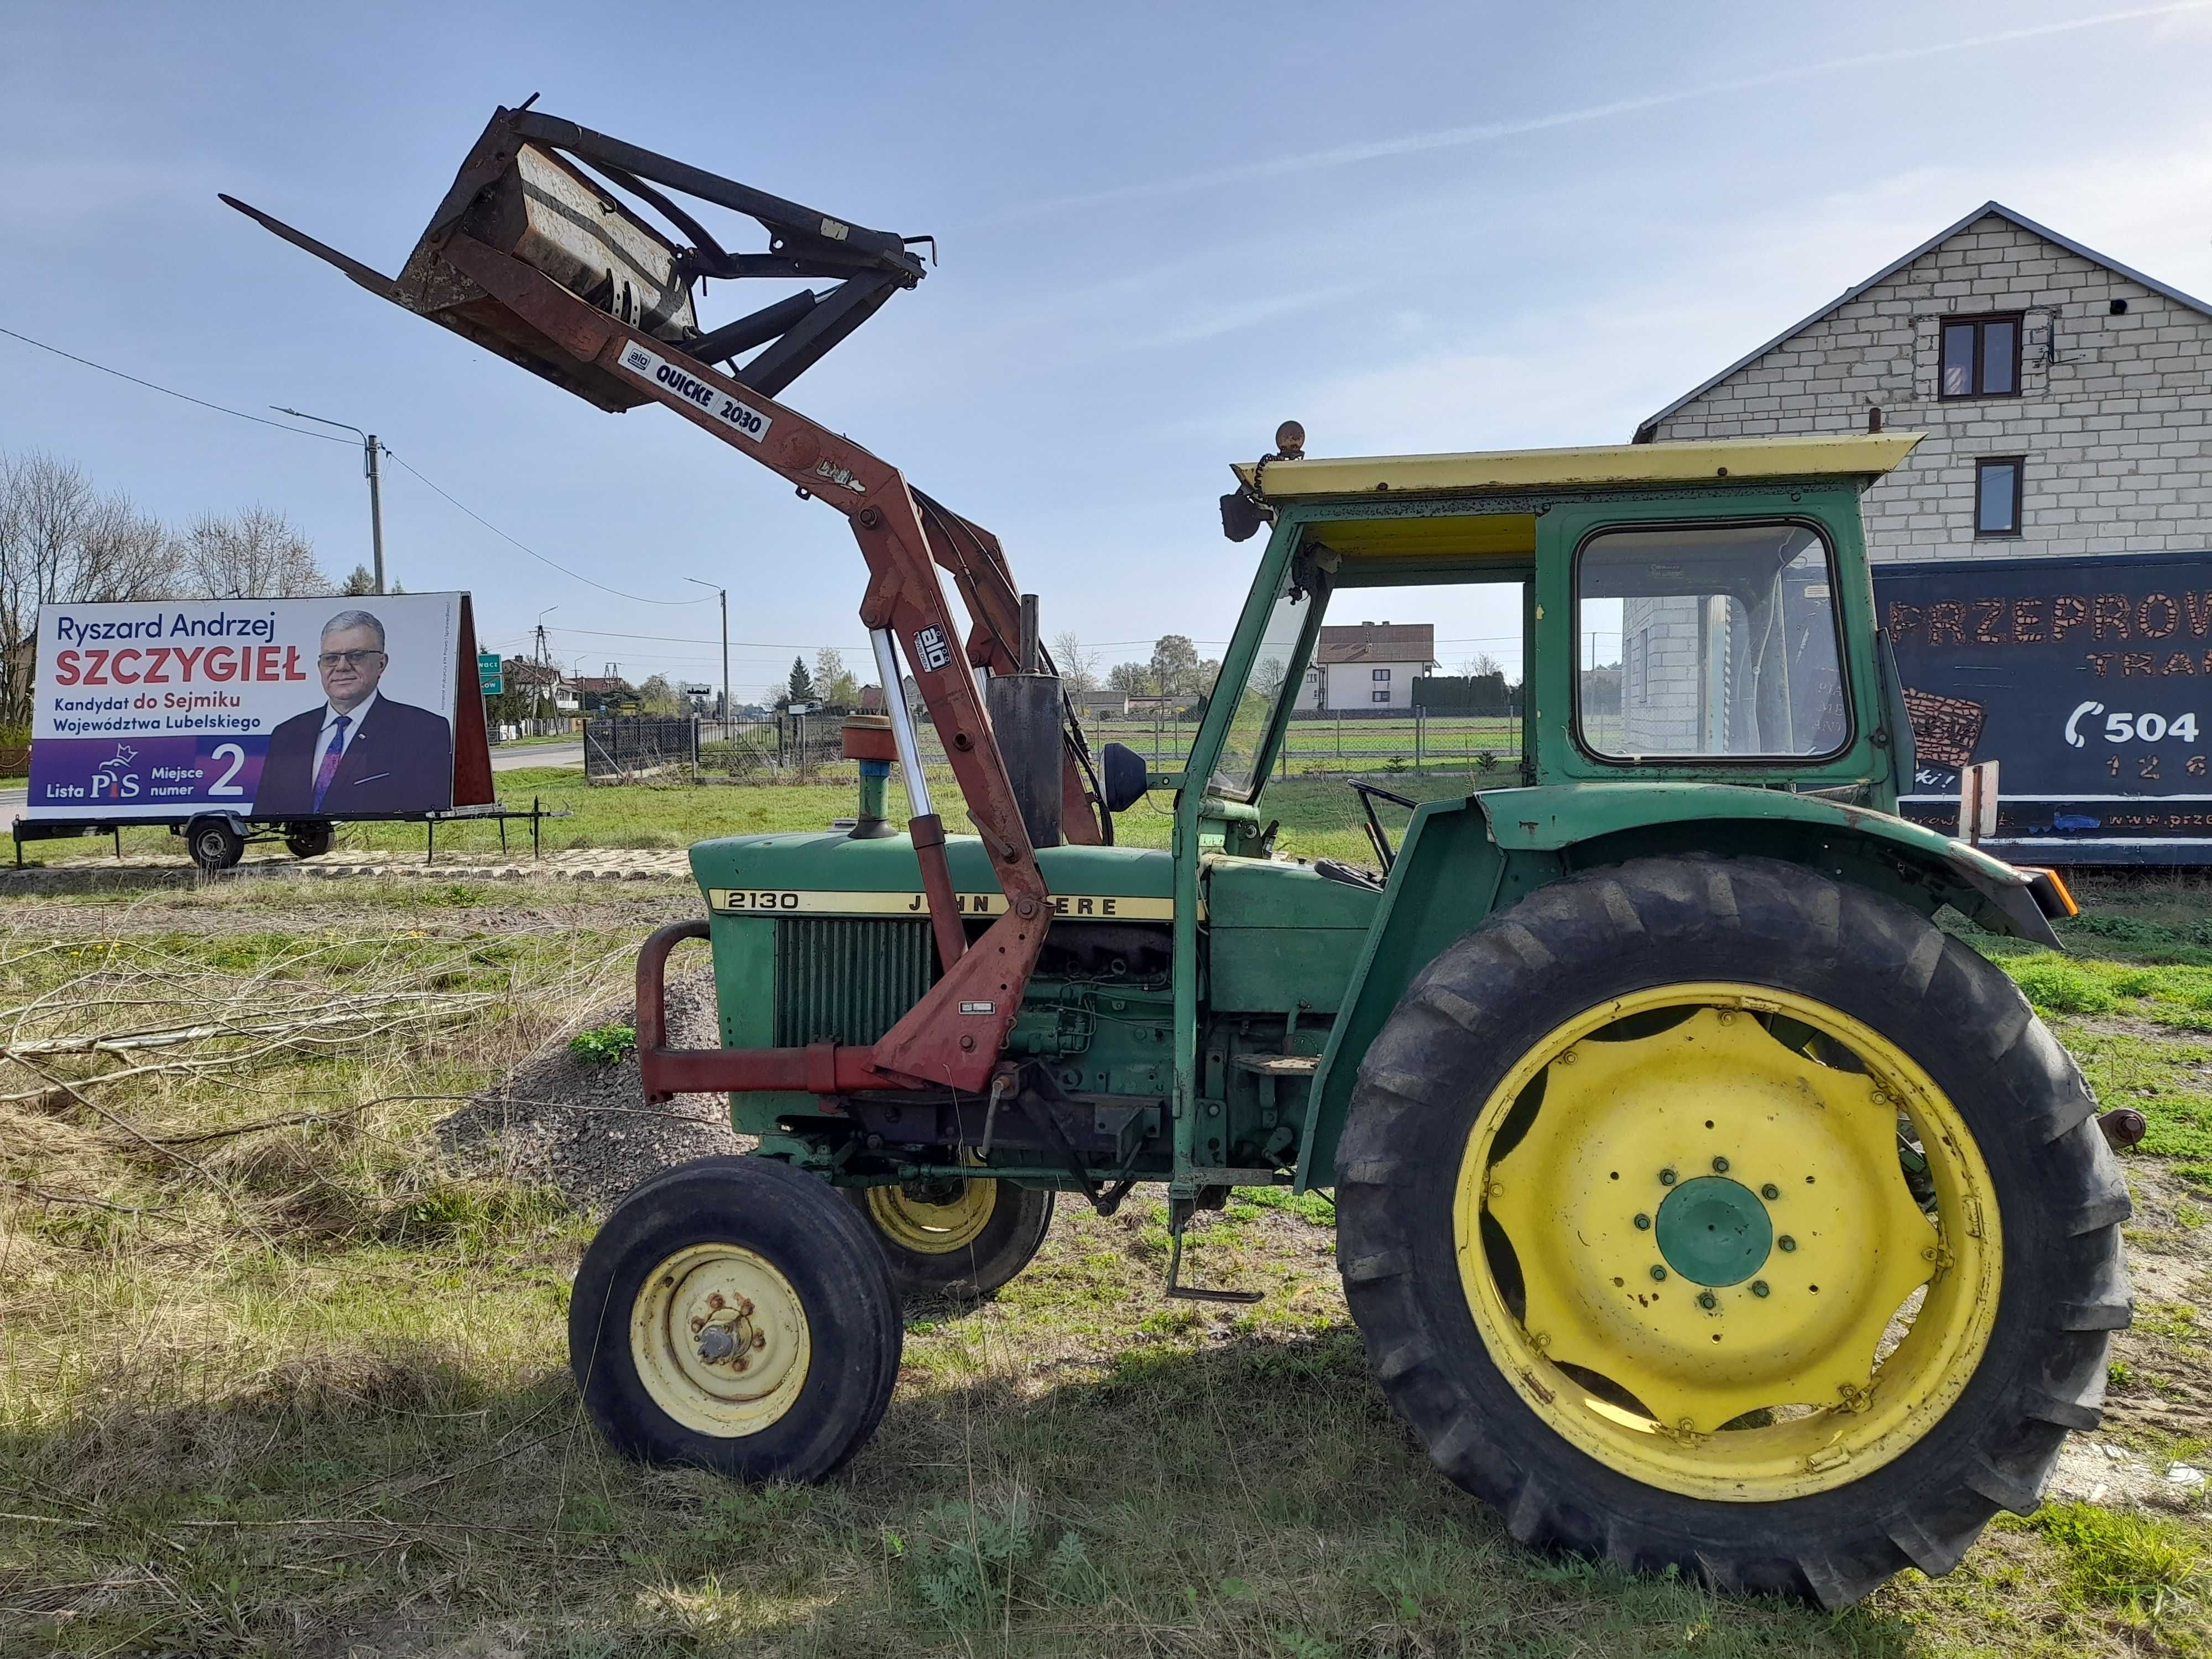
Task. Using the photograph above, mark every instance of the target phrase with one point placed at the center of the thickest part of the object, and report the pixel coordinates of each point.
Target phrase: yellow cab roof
(1594, 466)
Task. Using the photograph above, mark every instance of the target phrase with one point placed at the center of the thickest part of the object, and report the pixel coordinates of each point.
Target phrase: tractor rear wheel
(732, 1315)
(1707, 1213)
(952, 1237)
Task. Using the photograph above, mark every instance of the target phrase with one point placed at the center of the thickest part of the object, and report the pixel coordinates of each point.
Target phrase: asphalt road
(504, 759)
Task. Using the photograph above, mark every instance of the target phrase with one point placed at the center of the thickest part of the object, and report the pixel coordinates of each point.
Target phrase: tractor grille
(847, 981)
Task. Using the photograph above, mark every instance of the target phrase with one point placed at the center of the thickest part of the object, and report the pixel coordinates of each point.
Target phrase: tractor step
(1280, 1065)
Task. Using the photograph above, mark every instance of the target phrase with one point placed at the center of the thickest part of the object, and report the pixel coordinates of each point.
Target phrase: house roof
(601, 683)
(1378, 642)
(1584, 467)
(1645, 432)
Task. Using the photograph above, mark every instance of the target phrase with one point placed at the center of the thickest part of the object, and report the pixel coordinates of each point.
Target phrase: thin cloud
(1486, 132)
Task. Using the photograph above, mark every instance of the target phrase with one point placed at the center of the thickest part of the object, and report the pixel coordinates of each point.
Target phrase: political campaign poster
(268, 709)
(2087, 680)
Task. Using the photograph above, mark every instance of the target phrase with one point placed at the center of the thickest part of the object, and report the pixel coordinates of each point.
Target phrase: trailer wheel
(953, 1237)
(308, 840)
(1710, 1214)
(214, 844)
(733, 1315)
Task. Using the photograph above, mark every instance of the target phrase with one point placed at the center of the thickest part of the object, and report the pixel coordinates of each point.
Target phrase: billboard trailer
(236, 720)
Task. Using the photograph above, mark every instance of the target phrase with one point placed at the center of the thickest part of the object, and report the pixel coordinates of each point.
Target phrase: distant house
(538, 681)
(1094, 705)
(872, 700)
(597, 693)
(1369, 667)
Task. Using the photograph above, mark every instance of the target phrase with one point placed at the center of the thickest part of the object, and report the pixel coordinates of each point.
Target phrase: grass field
(1320, 816)
(278, 1376)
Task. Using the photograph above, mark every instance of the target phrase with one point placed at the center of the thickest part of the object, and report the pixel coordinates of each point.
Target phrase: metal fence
(798, 748)
(634, 745)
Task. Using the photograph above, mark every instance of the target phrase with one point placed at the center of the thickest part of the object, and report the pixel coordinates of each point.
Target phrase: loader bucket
(525, 191)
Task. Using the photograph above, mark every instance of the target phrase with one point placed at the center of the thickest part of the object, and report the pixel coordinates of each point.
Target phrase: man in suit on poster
(359, 753)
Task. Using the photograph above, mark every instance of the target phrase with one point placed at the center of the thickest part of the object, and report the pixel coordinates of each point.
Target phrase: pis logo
(112, 779)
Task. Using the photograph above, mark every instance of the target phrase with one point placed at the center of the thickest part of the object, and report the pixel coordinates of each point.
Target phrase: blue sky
(1164, 229)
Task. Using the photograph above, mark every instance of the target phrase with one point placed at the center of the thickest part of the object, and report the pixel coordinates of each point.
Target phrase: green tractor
(1702, 1203)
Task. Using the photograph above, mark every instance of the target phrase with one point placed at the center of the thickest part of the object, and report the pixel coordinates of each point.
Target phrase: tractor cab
(1679, 613)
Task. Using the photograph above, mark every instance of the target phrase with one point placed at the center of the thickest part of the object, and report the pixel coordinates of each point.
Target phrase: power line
(636, 598)
(169, 392)
(685, 638)
(300, 431)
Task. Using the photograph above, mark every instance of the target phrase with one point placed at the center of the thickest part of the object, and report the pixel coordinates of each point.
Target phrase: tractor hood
(827, 872)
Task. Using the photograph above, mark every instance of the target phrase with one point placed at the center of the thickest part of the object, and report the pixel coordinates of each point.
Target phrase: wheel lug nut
(1786, 1242)
(1666, 1177)
(1658, 1271)
(1770, 1192)
(1706, 1299)
(1642, 1223)
(1720, 1166)
(1759, 1287)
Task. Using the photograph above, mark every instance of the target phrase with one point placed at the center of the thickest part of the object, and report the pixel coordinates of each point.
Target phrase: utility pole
(370, 449)
(548, 701)
(723, 594)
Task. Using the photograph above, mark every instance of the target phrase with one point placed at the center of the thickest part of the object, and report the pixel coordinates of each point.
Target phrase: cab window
(1712, 641)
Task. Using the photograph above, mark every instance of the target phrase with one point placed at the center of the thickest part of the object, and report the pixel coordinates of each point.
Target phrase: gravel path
(585, 1129)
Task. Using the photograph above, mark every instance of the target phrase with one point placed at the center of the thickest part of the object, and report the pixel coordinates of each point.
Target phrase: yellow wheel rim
(1688, 1235)
(933, 1218)
(720, 1339)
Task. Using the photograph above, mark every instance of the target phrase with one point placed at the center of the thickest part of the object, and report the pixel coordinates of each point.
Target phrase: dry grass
(300, 1390)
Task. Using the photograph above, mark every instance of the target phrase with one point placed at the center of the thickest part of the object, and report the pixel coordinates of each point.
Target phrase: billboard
(265, 708)
(2089, 680)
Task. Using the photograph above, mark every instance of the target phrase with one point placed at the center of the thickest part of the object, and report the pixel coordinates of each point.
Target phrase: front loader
(1703, 1204)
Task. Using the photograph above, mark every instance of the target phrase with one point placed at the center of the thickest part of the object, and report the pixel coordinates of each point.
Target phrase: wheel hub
(1713, 1230)
(720, 1339)
(935, 1217)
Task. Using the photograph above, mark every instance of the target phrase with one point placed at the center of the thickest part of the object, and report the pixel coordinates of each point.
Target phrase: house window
(1380, 674)
(1981, 357)
(1997, 494)
(1380, 697)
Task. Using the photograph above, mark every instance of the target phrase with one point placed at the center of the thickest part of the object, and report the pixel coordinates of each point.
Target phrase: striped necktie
(331, 756)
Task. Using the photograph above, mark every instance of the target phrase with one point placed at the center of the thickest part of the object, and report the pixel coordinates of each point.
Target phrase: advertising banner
(2089, 680)
(269, 709)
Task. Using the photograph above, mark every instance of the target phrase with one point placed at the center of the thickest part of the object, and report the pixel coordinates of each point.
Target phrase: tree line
(65, 540)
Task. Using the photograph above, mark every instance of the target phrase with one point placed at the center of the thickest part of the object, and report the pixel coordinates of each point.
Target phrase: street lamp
(370, 449)
(723, 594)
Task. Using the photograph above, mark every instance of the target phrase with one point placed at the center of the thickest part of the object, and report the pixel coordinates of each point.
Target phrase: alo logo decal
(929, 645)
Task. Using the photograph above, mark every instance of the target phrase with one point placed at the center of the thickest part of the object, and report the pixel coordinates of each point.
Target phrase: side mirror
(1241, 517)
(1122, 776)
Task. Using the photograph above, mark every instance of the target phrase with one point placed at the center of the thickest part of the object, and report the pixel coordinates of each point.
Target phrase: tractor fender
(1592, 823)
(1461, 860)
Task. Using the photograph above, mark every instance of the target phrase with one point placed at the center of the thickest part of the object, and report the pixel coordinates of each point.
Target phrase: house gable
(2112, 413)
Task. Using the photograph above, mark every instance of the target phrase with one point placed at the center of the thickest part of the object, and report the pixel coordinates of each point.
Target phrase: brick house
(2066, 398)
(1369, 667)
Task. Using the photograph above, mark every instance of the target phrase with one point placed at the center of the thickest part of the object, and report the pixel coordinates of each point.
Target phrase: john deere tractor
(1702, 1202)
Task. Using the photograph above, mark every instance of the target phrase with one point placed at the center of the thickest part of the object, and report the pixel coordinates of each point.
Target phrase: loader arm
(635, 340)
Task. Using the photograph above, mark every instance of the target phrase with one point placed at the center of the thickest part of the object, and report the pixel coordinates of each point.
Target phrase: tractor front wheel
(733, 1315)
(953, 1236)
(1707, 1213)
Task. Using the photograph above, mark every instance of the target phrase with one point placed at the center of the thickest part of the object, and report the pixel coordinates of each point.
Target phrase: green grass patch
(2142, 1564)
(607, 1045)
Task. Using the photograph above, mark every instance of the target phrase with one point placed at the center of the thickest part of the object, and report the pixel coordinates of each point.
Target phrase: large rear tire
(954, 1238)
(733, 1315)
(1711, 1214)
